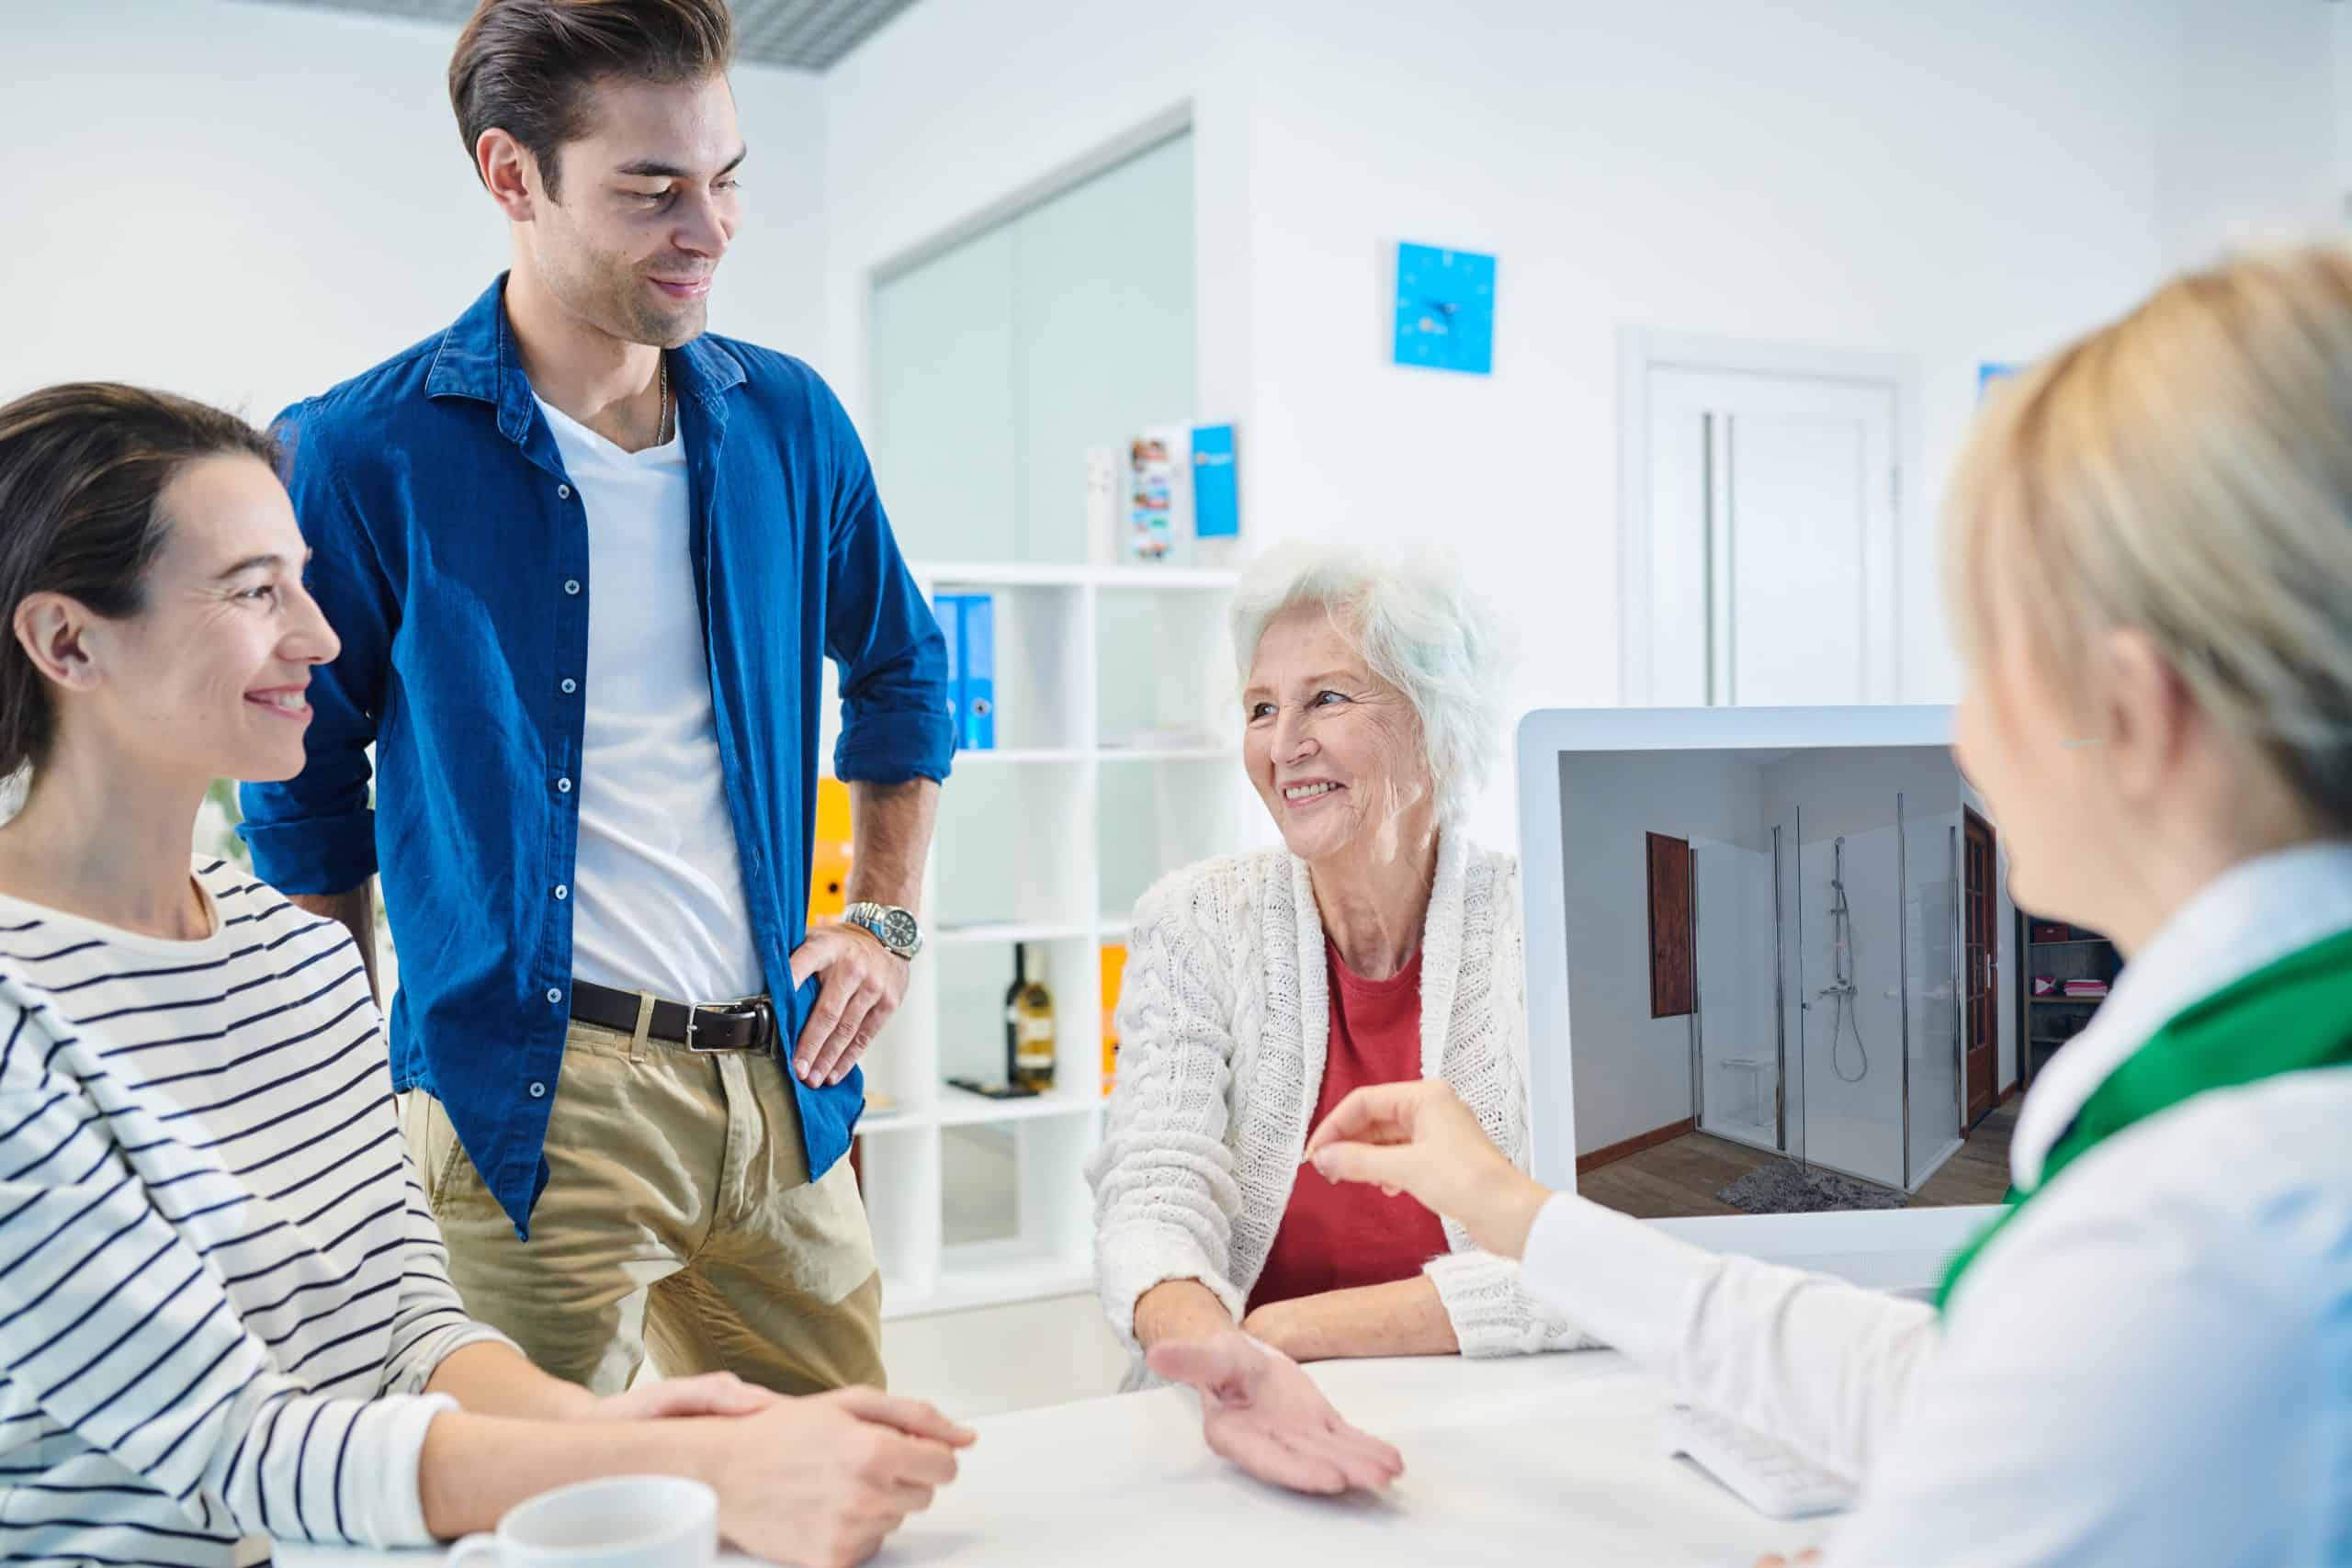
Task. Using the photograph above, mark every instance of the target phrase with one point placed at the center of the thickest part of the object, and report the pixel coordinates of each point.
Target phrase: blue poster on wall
(1217, 489)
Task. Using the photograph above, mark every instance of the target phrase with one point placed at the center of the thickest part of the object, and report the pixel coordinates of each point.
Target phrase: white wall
(248, 203)
(2341, 49)
(1852, 789)
(1958, 181)
(1632, 1071)
(2247, 142)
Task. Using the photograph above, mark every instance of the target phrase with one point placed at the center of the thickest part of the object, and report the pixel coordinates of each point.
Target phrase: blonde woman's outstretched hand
(1418, 1138)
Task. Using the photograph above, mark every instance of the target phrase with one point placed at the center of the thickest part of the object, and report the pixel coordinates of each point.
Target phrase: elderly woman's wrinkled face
(1335, 751)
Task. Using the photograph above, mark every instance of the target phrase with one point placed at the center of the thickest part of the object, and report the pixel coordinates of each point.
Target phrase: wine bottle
(1013, 1014)
(1029, 1029)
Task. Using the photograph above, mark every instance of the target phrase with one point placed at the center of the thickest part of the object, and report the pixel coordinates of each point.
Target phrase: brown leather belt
(746, 1025)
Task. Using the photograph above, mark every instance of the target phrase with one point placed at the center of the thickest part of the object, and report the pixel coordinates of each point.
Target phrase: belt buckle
(761, 1011)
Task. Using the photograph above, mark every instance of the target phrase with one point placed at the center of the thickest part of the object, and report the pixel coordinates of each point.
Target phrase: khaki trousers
(678, 1217)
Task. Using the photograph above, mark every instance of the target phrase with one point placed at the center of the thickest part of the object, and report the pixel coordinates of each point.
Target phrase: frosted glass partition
(1739, 1050)
(996, 364)
(944, 433)
(1933, 913)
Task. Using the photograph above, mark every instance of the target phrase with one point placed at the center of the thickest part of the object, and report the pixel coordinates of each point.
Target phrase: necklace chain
(662, 370)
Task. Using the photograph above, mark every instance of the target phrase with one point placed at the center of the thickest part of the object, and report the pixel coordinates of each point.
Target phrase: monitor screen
(1788, 979)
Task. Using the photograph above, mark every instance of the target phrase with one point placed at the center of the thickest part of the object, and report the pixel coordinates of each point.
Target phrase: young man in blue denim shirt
(587, 560)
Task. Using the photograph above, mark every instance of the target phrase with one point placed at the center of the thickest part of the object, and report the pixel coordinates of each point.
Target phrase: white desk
(1537, 1460)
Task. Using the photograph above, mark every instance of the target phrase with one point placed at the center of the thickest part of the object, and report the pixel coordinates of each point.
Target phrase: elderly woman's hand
(1418, 1138)
(1259, 1410)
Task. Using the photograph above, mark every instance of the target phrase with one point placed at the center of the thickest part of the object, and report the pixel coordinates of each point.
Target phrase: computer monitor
(1764, 959)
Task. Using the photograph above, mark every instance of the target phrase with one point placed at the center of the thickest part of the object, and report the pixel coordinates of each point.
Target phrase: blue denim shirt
(451, 555)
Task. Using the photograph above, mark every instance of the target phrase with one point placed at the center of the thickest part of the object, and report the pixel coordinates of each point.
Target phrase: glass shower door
(1790, 926)
(1737, 952)
(1934, 991)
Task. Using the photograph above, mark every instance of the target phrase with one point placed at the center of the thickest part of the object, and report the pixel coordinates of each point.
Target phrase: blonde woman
(2149, 1359)
(1377, 943)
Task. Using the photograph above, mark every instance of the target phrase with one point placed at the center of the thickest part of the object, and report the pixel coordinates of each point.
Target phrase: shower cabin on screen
(1795, 952)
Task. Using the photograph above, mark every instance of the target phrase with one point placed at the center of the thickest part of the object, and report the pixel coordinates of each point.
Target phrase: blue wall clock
(1445, 309)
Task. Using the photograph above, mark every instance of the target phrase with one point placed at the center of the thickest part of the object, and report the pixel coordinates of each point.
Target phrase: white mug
(622, 1521)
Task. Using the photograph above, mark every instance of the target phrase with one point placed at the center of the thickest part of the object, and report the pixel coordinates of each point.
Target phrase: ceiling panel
(806, 34)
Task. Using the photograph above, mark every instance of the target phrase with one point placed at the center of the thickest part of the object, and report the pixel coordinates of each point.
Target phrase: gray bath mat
(1785, 1188)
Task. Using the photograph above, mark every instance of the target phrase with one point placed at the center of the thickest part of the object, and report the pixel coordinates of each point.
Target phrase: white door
(1770, 520)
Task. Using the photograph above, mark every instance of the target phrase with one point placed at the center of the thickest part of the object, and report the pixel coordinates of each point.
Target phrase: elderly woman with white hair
(1377, 945)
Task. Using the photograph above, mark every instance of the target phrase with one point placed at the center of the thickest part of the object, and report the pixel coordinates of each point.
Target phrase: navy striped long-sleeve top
(222, 1296)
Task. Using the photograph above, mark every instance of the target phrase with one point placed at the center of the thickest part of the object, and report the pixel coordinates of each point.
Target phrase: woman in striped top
(223, 1310)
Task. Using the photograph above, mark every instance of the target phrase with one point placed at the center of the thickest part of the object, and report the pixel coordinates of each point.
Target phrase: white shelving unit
(1047, 841)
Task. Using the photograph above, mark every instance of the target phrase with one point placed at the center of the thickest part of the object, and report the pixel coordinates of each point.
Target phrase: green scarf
(2288, 1017)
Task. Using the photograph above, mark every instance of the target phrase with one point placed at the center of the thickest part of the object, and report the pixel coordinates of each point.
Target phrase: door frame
(1973, 818)
(1640, 350)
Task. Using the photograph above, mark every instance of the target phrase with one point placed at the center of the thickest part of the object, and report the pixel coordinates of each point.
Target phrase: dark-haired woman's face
(210, 679)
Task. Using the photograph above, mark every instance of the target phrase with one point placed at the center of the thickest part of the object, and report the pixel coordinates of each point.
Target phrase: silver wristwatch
(894, 928)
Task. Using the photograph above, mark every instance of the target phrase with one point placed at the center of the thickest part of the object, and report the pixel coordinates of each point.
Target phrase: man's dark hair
(526, 66)
(83, 466)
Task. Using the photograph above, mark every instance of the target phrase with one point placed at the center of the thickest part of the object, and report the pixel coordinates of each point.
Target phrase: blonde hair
(2186, 472)
(1416, 626)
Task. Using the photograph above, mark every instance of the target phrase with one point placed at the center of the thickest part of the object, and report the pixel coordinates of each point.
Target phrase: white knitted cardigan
(1224, 1022)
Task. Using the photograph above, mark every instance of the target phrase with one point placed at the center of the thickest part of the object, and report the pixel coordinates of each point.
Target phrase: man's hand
(1260, 1412)
(861, 984)
(821, 1481)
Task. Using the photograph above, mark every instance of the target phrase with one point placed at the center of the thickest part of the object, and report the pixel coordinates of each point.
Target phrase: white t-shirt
(657, 895)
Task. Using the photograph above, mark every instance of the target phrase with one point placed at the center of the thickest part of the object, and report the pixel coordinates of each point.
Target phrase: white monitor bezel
(1892, 1249)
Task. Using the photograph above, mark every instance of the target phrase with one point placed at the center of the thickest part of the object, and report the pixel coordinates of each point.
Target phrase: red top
(1336, 1237)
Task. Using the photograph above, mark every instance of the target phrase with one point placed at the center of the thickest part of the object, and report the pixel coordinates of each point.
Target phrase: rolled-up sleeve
(316, 831)
(881, 633)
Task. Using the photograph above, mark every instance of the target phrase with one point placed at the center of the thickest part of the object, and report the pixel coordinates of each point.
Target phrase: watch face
(1445, 309)
(898, 929)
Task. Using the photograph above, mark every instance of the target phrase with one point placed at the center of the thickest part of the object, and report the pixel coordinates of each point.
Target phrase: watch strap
(875, 919)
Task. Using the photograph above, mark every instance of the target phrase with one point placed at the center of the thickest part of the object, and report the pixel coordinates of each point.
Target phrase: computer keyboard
(1760, 1472)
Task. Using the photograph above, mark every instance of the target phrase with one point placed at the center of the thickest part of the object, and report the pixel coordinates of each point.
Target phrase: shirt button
(538, 1090)
(571, 585)
(563, 786)
(569, 685)
(561, 892)
(563, 493)
(554, 995)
